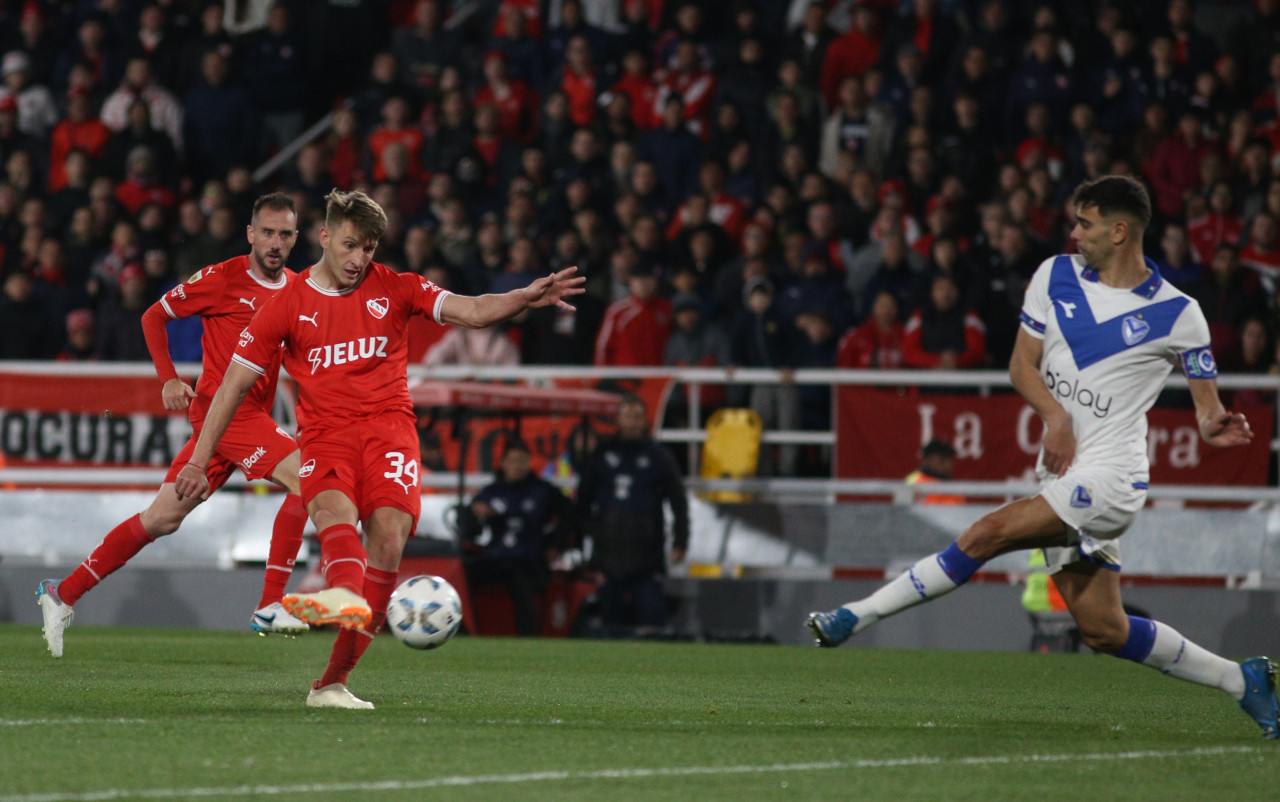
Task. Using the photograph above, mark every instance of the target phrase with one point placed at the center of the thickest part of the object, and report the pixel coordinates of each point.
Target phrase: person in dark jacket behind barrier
(621, 494)
(523, 522)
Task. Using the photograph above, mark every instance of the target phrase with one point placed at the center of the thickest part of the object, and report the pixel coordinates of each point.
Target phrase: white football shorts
(1099, 504)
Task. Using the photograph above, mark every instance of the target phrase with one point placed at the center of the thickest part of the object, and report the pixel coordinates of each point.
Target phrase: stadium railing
(764, 489)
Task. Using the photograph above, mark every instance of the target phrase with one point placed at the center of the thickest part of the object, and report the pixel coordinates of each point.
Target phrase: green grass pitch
(179, 714)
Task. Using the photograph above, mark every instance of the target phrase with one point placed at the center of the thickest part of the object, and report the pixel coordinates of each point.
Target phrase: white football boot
(336, 695)
(275, 620)
(57, 616)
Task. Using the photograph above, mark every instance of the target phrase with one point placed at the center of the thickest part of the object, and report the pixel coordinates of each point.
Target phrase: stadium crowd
(777, 183)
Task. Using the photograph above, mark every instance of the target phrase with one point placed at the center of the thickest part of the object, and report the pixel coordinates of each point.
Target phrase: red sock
(378, 585)
(286, 539)
(342, 557)
(116, 549)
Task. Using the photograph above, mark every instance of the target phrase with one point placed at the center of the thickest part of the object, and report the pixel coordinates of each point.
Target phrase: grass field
(178, 714)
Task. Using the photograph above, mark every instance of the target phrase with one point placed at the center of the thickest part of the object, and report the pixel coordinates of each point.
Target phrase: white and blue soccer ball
(424, 612)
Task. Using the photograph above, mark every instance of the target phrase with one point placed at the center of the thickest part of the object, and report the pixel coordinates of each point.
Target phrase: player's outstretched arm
(191, 479)
(1217, 426)
(1024, 369)
(175, 393)
(481, 311)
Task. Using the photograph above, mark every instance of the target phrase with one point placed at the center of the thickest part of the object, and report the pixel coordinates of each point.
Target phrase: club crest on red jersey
(378, 307)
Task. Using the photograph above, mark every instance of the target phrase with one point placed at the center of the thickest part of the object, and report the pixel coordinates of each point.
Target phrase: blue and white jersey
(1108, 351)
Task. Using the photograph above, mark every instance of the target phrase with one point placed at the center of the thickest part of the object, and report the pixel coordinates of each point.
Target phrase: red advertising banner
(879, 434)
(78, 419)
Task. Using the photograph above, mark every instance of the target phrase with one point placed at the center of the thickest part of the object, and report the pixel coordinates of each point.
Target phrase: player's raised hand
(553, 289)
(191, 483)
(1059, 445)
(177, 394)
(1226, 429)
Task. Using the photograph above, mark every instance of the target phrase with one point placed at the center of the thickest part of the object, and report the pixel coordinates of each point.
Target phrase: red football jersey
(348, 351)
(226, 296)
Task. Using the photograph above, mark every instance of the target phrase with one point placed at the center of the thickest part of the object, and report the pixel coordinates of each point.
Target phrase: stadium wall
(754, 570)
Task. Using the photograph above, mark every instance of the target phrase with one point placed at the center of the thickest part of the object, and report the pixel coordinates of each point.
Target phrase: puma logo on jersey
(322, 356)
(249, 302)
(311, 320)
(378, 307)
(1068, 308)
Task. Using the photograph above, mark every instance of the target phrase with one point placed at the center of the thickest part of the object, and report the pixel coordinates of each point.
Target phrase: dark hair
(276, 202)
(516, 444)
(1116, 194)
(628, 398)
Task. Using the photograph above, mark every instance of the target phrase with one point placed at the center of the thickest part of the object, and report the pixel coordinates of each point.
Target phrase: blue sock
(958, 565)
(1142, 637)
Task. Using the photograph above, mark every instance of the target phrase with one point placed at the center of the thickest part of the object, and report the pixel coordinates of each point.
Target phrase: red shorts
(374, 463)
(253, 442)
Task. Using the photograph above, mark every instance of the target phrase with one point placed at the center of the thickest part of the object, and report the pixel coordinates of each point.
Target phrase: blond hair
(363, 212)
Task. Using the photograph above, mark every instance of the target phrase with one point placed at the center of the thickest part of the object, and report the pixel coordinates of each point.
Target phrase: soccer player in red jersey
(225, 296)
(343, 329)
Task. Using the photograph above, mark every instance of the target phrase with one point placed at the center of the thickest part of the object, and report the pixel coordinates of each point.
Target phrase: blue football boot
(834, 628)
(1260, 694)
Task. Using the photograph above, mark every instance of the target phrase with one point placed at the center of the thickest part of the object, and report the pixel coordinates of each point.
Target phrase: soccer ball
(424, 612)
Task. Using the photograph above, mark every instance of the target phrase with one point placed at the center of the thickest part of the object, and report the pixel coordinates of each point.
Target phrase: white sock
(918, 584)
(1178, 657)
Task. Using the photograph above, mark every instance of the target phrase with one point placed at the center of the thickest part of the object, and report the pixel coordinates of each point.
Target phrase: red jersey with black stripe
(347, 350)
(226, 296)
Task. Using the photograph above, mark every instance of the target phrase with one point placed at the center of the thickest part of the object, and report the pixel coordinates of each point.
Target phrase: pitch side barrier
(982, 383)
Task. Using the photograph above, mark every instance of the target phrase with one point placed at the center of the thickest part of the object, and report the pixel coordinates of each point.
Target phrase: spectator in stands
(1262, 253)
(635, 330)
(637, 84)
(578, 81)
(886, 266)
(998, 287)
(37, 113)
(79, 342)
(119, 334)
(78, 131)
(943, 334)
(1209, 227)
(461, 346)
(521, 525)
(810, 43)
(817, 349)
(138, 84)
(761, 337)
(878, 342)
(220, 128)
(625, 485)
(154, 41)
(423, 50)
(273, 71)
(26, 332)
(139, 133)
(849, 55)
(674, 151)
(1175, 168)
(694, 342)
(140, 186)
(1228, 294)
(1176, 264)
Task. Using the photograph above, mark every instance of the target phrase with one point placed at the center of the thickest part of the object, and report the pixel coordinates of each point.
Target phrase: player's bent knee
(1102, 637)
(984, 538)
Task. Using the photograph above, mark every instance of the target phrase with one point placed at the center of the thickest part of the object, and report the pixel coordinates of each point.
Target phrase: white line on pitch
(619, 774)
(42, 722)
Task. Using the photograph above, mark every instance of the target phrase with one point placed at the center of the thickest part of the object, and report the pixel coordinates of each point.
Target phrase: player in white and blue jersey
(1100, 334)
